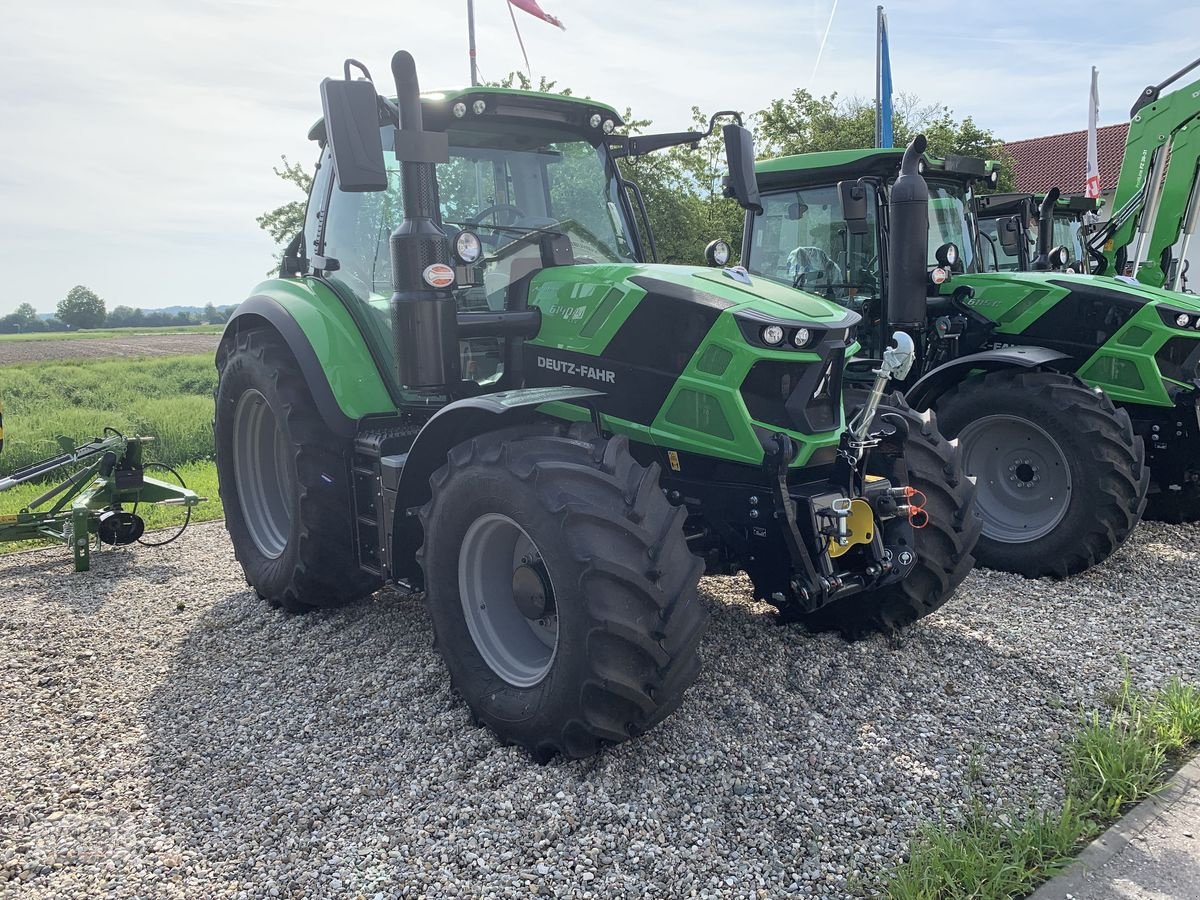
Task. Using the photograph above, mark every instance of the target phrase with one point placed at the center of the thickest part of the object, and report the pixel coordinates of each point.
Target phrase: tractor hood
(1126, 290)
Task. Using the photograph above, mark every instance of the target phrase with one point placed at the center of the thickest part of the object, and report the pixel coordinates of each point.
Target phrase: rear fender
(925, 392)
(328, 348)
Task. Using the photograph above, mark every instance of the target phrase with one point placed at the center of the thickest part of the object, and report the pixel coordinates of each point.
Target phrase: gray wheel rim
(261, 470)
(496, 552)
(1023, 478)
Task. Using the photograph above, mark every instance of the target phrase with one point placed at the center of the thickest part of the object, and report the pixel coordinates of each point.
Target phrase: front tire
(933, 465)
(561, 589)
(284, 480)
(1062, 476)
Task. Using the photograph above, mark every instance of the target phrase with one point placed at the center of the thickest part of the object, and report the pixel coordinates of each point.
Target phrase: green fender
(337, 365)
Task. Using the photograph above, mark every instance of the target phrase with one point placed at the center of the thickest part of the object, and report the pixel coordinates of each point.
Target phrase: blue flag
(883, 127)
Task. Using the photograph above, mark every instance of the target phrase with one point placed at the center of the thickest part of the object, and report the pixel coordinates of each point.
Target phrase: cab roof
(509, 104)
(884, 162)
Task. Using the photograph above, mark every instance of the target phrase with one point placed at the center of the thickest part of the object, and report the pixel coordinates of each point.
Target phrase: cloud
(140, 135)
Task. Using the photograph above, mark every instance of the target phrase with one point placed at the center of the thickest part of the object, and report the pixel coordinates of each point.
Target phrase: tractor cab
(528, 182)
(1008, 229)
(824, 228)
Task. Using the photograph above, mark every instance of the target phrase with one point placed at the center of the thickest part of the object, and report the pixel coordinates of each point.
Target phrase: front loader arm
(1157, 178)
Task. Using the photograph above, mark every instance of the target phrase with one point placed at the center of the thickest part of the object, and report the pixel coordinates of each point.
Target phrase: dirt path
(107, 347)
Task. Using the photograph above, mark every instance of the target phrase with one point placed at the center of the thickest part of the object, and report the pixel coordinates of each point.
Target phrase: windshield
(802, 240)
(948, 223)
(513, 186)
(1067, 228)
(1003, 261)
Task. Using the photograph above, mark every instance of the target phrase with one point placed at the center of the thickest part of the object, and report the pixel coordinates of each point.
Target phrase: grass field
(111, 332)
(169, 398)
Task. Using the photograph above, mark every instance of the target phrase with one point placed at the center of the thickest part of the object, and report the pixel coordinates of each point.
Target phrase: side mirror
(352, 129)
(854, 205)
(739, 152)
(1009, 231)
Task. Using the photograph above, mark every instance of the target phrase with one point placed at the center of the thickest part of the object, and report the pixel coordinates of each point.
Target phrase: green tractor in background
(468, 380)
(1023, 367)
(1010, 230)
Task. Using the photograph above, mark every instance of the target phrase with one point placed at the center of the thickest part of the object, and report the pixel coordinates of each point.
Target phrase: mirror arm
(640, 145)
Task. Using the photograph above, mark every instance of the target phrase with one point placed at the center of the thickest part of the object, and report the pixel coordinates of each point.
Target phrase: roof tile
(1060, 160)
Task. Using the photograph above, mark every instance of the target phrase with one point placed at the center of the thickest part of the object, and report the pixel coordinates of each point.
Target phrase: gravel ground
(108, 347)
(162, 733)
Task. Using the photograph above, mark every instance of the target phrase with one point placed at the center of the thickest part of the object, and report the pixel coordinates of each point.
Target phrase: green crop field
(170, 398)
(111, 332)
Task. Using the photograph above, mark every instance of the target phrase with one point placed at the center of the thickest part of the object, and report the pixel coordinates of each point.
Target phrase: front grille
(798, 396)
(1179, 359)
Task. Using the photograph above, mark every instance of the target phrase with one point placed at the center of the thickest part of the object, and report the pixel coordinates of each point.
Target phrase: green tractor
(1010, 227)
(1020, 366)
(467, 380)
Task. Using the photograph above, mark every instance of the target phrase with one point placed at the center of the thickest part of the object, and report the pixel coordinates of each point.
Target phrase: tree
(802, 123)
(285, 222)
(23, 319)
(81, 308)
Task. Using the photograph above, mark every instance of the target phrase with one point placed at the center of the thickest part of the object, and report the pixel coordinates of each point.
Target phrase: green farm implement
(101, 497)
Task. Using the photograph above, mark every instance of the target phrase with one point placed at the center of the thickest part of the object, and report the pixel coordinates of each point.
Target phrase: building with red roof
(1060, 160)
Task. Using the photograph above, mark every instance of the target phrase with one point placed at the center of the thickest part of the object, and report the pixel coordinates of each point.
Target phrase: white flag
(1093, 158)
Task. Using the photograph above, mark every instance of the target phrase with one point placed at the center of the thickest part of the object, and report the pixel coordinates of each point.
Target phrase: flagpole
(878, 76)
(471, 37)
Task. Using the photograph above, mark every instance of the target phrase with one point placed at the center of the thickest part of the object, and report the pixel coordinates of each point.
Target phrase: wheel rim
(508, 600)
(261, 472)
(1023, 479)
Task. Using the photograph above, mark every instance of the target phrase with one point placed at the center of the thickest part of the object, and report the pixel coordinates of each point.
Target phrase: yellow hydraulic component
(861, 526)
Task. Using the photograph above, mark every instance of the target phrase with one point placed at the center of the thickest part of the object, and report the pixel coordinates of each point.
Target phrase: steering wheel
(515, 211)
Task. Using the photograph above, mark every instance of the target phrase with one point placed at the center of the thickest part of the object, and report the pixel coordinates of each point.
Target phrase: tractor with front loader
(468, 380)
(1156, 205)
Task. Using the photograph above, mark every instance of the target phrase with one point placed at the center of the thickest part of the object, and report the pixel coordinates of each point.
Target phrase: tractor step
(379, 456)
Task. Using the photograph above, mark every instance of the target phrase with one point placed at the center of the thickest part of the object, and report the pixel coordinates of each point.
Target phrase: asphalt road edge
(1096, 855)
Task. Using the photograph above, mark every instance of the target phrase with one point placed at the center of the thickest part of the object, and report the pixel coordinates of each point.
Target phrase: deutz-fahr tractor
(1022, 367)
(468, 381)
(1013, 239)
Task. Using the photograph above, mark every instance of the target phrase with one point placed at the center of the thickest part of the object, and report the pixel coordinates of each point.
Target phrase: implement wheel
(285, 480)
(919, 456)
(562, 592)
(1062, 477)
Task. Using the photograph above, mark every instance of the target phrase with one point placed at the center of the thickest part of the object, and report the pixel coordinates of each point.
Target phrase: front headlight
(772, 335)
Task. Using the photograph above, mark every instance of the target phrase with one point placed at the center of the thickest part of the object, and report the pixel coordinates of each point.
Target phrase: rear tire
(284, 480)
(1080, 442)
(610, 645)
(932, 465)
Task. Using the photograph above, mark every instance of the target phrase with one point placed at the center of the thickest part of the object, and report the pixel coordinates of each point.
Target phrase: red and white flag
(1093, 158)
(531, 7)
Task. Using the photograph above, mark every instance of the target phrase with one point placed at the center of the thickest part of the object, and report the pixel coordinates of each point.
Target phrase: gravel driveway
(224, 749)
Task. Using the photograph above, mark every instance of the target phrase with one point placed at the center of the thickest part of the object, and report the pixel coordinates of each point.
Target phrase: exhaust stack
(908, 251)
(424, 317)
(1041, 259)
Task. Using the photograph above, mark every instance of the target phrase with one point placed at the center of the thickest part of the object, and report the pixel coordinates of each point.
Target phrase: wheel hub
(1022, 476)
(531, 592)
(508, 600)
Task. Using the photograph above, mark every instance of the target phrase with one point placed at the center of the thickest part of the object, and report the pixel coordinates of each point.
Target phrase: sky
(139, 135)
